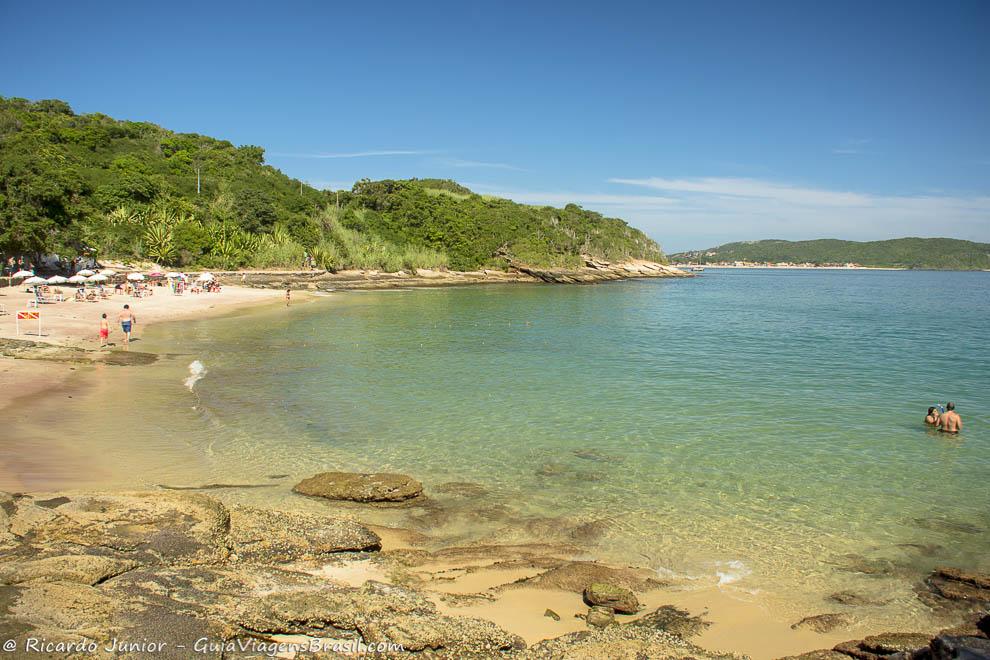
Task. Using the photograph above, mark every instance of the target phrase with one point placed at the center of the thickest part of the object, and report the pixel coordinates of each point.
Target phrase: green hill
(128, 189)
(924, 253)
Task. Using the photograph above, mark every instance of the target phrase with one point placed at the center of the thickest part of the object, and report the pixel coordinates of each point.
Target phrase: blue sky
(699, 122)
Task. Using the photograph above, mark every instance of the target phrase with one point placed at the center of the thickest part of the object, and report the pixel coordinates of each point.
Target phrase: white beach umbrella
(97, 278)
(56, 279)
(135, 277)
(205, 277)
(85, 272)
(173, 275)
(77, 279)
(108, 272)
(35, 280)
(21, 274)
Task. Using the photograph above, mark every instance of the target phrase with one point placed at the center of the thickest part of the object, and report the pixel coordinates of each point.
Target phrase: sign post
(28, 316)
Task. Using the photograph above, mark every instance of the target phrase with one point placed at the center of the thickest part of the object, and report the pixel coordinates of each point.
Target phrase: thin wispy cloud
(751, 188)
(358, 154)
(687, 213)
(562, 198)
(727, 208)
(462, 163)
(852, 147)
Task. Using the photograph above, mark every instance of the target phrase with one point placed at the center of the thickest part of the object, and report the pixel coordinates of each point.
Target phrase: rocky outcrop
(593, 271)
(621, 600)
(273, 537)
(180, 566)
(962, 586)
(967, 642)
(620, 643)
(357, 487)
(596, 270)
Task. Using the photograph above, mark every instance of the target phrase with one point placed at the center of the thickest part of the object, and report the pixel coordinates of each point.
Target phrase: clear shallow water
(745, 427)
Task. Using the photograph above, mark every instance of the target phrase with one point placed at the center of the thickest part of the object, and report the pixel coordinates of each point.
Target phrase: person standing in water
(288, 296)
(104, 330)
(127, 319)
(950, 421)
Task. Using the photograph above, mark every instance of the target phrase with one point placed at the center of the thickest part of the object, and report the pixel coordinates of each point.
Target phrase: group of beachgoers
(944, 418)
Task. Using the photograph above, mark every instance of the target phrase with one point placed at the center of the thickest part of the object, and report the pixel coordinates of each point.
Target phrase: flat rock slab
(356, 487)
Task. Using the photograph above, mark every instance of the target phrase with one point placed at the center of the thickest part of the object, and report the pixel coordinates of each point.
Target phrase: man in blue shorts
(127, 319)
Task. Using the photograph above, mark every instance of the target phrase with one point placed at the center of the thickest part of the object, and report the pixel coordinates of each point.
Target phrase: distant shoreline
(790, 267)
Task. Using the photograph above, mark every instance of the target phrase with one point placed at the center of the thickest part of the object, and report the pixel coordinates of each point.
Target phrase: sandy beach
(77, 323)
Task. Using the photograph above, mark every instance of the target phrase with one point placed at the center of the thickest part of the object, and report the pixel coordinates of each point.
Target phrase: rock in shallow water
(356, 487)
(674, 621)
(822, 623)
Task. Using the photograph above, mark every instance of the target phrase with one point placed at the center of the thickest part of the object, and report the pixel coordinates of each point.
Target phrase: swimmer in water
(950, 421)
(932, 417)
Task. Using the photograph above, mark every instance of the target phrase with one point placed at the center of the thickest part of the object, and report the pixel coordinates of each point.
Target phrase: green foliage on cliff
(129, 189)
(923, 253)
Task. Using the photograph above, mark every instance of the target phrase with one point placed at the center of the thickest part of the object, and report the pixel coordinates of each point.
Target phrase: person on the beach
(288, 296)
(127, 319)
(104, 330)
(950, 421)
(932, 417)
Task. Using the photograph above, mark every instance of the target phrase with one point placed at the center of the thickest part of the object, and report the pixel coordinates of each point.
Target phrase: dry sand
(78, 323)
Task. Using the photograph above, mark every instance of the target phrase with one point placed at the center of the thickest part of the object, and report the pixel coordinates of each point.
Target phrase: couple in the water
(947, 420)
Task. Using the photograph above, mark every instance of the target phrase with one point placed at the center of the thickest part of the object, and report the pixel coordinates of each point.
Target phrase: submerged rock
(853, 598)
(550, 614)
(619, 599)
(952, 587)
(674, 621)
(822, 623)
(356, 487)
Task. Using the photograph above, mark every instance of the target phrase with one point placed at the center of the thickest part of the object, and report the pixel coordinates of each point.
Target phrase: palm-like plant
(159, 243)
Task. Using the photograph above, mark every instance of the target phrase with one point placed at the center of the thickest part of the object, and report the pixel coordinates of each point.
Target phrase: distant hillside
(126, 189)
(930, 253)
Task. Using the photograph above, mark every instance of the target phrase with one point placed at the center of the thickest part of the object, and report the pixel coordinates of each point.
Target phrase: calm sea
(758, 429)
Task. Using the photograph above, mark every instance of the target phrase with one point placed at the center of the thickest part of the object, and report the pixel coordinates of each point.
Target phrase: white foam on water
(197, 370)
(728, 572)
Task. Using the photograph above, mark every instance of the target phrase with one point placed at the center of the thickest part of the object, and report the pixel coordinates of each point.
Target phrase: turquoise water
(746, 427)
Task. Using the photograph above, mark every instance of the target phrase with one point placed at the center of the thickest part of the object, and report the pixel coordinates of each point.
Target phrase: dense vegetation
(72, 183)
(931, 253)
